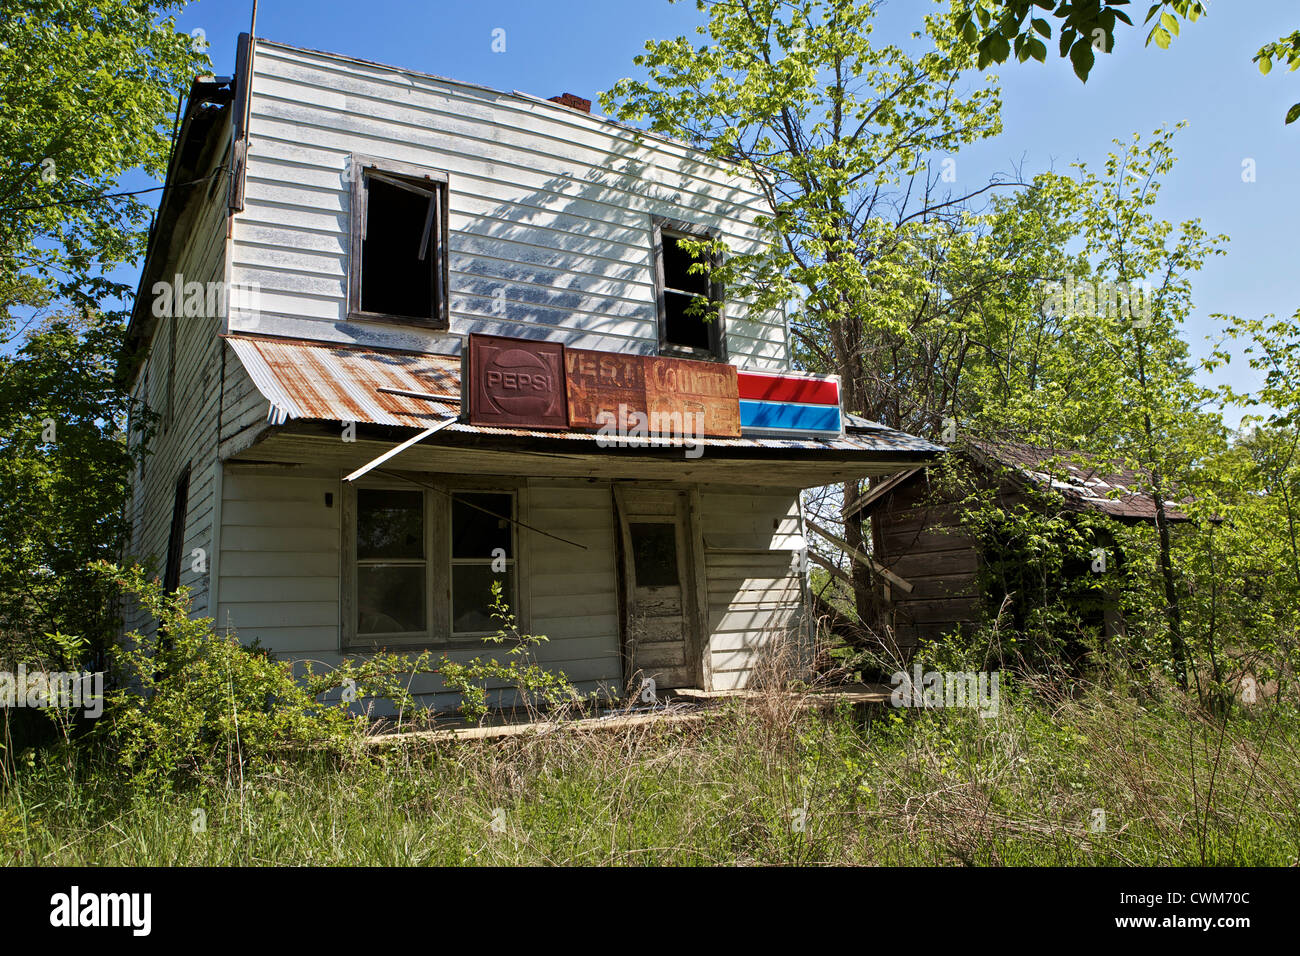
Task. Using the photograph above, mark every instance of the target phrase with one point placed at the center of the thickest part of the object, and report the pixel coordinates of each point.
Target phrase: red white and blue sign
(782, 404)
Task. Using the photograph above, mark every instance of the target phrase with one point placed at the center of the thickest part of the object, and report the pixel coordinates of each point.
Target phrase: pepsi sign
(516, 382)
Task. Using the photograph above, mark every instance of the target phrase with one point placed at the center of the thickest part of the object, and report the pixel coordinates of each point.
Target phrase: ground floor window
(420, 563)
(482, 553)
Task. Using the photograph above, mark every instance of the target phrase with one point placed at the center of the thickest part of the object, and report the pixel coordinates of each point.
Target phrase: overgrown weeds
(1088, 778)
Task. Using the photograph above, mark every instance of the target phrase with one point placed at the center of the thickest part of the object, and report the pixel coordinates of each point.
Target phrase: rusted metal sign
(516, 382)
(612, 388)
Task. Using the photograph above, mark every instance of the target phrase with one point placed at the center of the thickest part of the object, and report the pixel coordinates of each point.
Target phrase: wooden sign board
(664, 390)
(516, 383)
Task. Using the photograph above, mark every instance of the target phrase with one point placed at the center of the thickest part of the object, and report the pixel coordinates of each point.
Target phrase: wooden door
(661, 640)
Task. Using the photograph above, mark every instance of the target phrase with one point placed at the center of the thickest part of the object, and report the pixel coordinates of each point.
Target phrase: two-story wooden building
(332, 237)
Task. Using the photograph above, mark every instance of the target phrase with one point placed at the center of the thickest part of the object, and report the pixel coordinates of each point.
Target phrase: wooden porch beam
(878, 492)
(859, 557)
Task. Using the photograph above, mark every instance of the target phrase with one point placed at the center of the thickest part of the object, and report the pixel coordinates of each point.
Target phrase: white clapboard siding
(190, 432)
(280, 553)
(573, 593)
(280, 580)
(755, 587)
(550, 210)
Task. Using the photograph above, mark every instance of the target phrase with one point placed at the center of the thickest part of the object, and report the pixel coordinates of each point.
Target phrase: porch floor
(681, 707)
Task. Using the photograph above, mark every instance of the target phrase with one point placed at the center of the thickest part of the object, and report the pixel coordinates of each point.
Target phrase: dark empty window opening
(176, 537)
(689, 320)
(654, 554)
(482, 553)
(401, 230)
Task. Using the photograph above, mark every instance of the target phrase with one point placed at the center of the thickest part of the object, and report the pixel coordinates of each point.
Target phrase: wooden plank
(934, 540)
(745, 543)
(836, 573)
(875, 494)
(939, 610)
(702, 635)
(921, 564)
(858, 556)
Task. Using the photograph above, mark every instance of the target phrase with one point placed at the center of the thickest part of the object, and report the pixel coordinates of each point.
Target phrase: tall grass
(762, 780)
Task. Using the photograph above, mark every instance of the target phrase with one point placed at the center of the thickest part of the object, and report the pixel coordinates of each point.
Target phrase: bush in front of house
(193, 704)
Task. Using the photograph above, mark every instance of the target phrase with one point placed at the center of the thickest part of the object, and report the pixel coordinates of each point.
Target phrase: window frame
(512, 562)
(176, 532)
(359, 168)
(437, 497)
(676, 228)
(400, 638)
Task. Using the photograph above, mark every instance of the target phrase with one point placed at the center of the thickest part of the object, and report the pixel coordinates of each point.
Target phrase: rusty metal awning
(321, 381)
(349, 383)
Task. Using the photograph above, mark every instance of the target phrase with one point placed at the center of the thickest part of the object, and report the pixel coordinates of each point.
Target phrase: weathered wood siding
(549, 206)
(919, 538)
(189, 433)
(281, 547)
(753, 576)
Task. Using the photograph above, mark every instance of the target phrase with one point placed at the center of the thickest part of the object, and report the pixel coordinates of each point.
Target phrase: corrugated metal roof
(328, 382)
(1112, 490)
(324, 381)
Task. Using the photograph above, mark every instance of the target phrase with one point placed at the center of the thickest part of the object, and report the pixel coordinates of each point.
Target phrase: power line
(101, 198)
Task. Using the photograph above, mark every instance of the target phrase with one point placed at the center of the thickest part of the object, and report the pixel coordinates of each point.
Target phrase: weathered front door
(660, 633)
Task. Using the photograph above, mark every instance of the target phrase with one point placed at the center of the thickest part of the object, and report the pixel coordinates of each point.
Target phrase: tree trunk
(1173, 609)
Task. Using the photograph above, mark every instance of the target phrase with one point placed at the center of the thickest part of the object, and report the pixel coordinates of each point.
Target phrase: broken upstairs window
(400, 227)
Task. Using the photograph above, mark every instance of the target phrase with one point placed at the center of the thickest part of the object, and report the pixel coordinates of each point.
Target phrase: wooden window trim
(437, 536)
(717, 350)
(359, 167)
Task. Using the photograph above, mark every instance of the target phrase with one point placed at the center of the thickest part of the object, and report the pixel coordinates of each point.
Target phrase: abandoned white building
(402, 256)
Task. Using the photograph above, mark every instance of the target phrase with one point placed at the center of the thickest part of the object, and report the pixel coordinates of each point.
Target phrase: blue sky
(1050, 119)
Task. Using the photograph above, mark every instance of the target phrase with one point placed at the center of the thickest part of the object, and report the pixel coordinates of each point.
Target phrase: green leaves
(65, 469)
(1082, 57)
(1086, 27)
(1287, 50)
(87, 89)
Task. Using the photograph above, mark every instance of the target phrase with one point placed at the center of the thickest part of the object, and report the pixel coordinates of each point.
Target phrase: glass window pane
(474, 531)
(390, 524)
(390, 599)
(471, 596)
(654, 554)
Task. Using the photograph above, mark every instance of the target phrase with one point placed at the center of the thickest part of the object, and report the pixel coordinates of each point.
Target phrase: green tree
(838, 132)
(65, 470)
(1003, 27)
(87, 86)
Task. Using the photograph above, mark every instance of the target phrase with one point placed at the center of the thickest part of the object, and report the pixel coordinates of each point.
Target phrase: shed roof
(1111, 488)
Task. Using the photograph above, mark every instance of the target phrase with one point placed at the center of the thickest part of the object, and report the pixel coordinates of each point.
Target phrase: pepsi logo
(517, 382)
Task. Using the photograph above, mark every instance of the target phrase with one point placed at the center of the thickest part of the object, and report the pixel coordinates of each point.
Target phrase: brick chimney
(572, 102)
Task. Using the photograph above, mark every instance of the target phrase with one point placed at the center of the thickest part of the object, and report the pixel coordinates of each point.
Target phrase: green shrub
(191, 703)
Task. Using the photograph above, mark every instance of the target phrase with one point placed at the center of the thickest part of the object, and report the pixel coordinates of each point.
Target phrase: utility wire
(100, 198)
